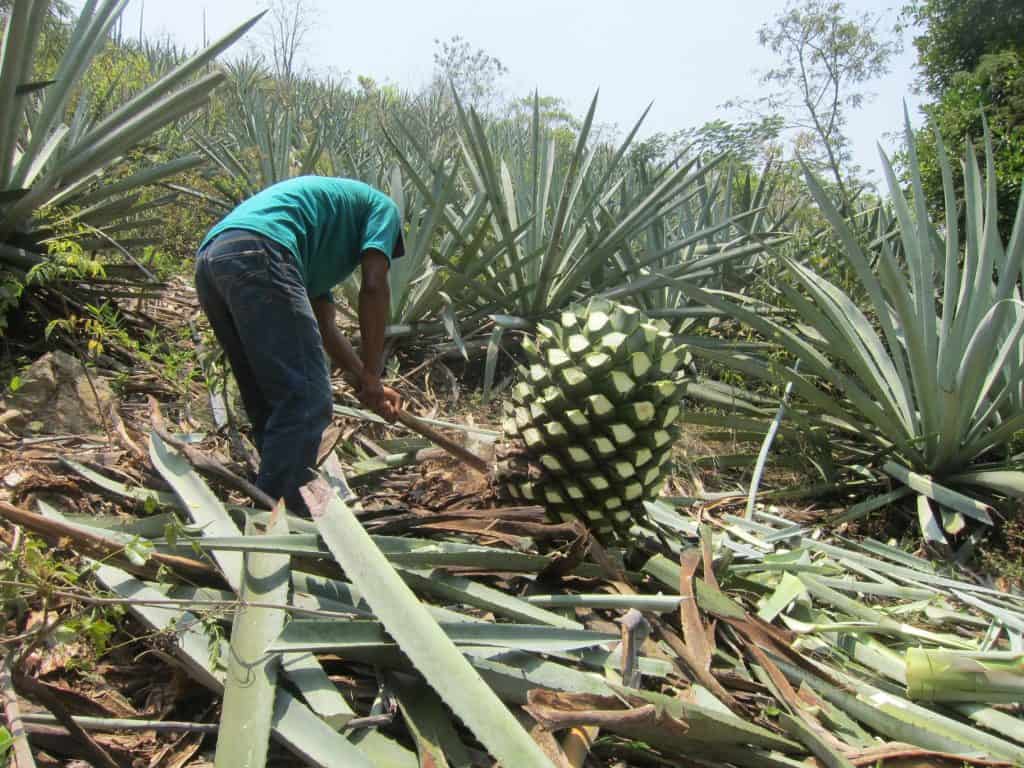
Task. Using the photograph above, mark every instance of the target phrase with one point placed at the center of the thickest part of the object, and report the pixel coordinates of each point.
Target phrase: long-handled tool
(467, 457)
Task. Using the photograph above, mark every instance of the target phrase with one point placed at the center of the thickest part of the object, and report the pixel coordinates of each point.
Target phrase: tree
(289, 24)
(954, 35)
(554, 112)
(827, 58)
(474, 74)
(747, 142)
(970, 54)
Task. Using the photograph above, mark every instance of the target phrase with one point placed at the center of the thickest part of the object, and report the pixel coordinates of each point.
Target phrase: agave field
(748, 464)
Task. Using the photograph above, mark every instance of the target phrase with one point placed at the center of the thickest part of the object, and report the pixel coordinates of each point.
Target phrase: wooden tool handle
(456, 450)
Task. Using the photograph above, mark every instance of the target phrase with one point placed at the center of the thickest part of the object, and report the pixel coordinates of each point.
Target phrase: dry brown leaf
(629, 716)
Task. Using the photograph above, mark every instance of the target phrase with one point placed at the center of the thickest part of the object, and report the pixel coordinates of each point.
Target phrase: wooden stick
(635, 630)
(96, 545)
(462, 454)
(577, 743)
(44, 695)
(208, 465)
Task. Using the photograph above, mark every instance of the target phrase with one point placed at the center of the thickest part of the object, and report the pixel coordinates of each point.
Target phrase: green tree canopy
(955, 34)
(971, 61)
(994, 88)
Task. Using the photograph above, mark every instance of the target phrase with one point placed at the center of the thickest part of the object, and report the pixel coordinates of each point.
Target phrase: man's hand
(382, 400)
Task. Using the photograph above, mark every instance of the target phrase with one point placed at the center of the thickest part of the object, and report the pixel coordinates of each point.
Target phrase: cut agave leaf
(244, 733)
(324, 637)
(418, 635)
(941, 675)
(305, 734)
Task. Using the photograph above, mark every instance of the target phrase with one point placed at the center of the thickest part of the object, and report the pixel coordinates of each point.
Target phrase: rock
(56, 398)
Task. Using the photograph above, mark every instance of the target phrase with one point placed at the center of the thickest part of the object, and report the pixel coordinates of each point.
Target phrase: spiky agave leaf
(45, 162)
(943, 675)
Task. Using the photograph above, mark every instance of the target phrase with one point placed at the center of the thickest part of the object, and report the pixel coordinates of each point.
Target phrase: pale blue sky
(688, 57)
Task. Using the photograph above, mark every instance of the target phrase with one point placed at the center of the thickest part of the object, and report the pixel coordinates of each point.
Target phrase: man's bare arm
(374, 308)
(374, 303)
(336, 344)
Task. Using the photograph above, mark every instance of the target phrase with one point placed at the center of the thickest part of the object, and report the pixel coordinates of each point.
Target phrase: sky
(687, 57)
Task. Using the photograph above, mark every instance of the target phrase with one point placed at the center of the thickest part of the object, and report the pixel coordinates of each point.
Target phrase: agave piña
(595, 411)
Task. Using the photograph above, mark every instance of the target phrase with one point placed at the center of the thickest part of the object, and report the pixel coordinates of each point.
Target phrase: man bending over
(264, 276)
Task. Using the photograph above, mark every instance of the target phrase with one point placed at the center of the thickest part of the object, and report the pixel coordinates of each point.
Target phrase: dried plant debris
(388, 634)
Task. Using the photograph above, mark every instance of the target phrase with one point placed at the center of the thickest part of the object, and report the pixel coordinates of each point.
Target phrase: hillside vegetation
(717, 351)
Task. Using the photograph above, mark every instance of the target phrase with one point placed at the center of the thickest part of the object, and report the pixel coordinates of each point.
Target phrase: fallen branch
(33, 689)
(207, 464)
(122, 432)
(626, 716)
(556, 720)
(100, 548)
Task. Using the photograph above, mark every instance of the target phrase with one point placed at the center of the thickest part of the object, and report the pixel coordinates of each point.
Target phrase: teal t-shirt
(326, 223)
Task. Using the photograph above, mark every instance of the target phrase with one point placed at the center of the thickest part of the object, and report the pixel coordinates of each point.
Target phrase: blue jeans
(252, 293)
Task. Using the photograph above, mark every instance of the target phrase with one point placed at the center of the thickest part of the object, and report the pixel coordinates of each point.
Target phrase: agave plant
(433, 235)
(50, 158)
(561, 224)
(564, 224)
(268, 135)
(566, 220)
(929, 382)
(713, 236)
(385, 125)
